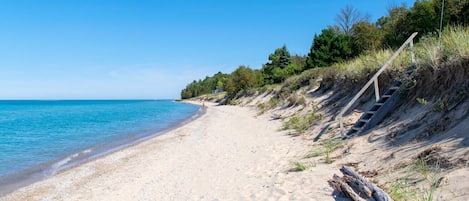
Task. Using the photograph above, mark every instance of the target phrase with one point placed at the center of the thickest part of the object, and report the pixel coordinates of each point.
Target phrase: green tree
(191, 90)
(205, 86)
(330, 47)
(464, 14)
(243, 78)
(455, 11)
(273, 70)
(366, 36)
(391, 27)
(422, 18)
(220, 84)
(220, 81)
(296, 66)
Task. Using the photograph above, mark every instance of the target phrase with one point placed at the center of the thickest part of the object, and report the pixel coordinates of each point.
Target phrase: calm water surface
(45, 136)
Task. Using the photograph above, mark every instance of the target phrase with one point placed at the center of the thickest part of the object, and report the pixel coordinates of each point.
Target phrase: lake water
(39, 138)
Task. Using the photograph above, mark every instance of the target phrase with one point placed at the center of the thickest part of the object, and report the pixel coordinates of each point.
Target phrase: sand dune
(227, 154)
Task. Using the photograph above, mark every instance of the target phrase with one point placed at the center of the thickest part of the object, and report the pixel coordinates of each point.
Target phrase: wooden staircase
(379, 110)
(384, 103)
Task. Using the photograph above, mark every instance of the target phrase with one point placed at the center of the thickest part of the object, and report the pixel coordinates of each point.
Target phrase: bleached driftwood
(378, 193)
(345, 188)
(358, 187)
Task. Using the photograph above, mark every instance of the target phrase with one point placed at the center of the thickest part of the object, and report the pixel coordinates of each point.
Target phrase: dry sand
(229, 153)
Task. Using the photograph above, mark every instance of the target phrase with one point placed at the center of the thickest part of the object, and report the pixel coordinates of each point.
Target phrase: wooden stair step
(386, 96)
(364, 120)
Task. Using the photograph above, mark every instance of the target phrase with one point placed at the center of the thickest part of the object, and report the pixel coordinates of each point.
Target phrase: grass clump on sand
(299, 166)
(423, 176)
(401, 190)
(330, 146)
(452, 46)
(325, 148)
(263, 107)
(301, 123)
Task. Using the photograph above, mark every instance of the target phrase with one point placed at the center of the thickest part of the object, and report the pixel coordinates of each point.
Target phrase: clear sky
(150, 49)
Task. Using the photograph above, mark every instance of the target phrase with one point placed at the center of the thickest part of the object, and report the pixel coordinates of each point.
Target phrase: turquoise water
(38, 138)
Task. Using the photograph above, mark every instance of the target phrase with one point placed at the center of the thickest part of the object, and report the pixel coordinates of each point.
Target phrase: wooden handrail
(374, 80)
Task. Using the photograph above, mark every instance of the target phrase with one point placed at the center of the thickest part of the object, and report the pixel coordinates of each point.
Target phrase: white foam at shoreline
(64, 163)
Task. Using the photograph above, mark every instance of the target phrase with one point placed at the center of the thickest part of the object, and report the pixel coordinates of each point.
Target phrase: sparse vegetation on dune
(435, 93)
(438, 87)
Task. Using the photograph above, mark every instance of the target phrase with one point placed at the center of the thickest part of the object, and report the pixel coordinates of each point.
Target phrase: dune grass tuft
(453, 45)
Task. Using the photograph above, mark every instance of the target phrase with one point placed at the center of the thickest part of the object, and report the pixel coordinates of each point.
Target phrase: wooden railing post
(412, 54)
(376, 89)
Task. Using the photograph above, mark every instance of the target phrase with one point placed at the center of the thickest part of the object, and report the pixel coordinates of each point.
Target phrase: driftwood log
(345, 188)
(357, 187)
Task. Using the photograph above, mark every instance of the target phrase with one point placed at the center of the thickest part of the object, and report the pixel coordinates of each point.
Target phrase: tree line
(352, 35)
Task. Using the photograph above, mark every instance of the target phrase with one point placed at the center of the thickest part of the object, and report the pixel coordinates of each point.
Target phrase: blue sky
(142, 49)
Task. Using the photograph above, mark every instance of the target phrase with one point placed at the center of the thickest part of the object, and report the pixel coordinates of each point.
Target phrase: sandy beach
(229, 153)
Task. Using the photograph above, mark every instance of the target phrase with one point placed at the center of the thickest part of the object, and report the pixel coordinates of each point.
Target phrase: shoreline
(15, 181)
(229, 153)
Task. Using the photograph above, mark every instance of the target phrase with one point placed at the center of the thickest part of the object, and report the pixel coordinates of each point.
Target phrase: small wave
(67, 161)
